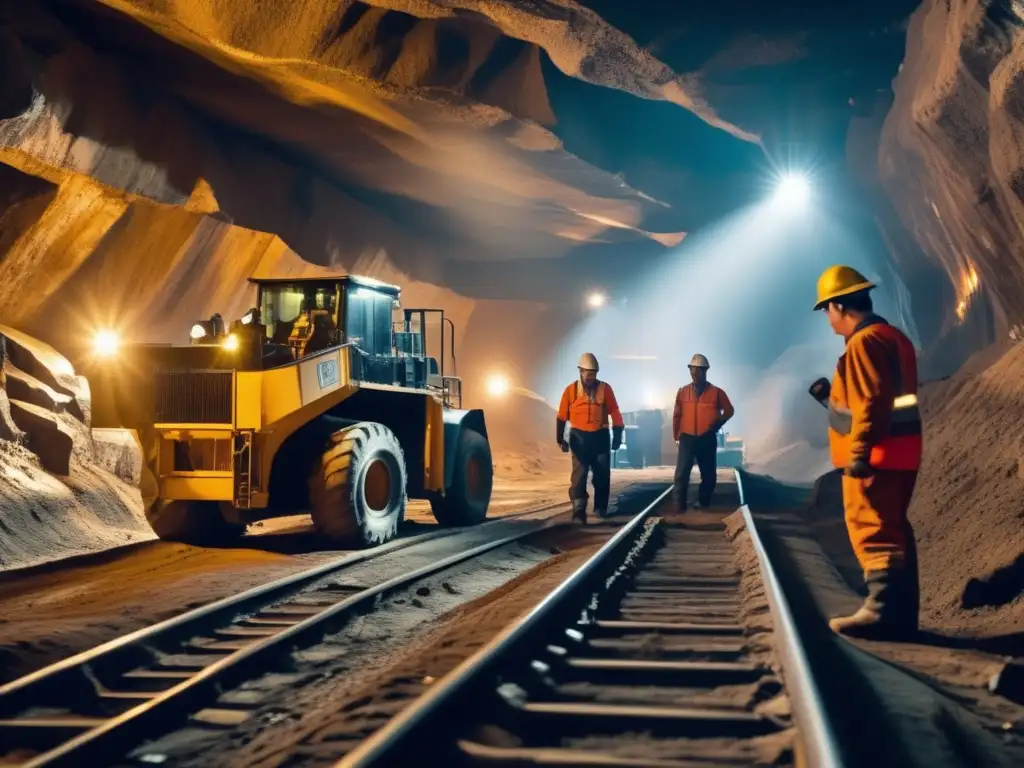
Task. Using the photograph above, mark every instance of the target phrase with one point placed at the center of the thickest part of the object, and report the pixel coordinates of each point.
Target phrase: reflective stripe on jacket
(872, 411)
(695, 415)
(589, 411)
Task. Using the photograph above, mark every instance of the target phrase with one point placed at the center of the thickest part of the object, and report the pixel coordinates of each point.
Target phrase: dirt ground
(936, 687)
(967, 509)
(61, 608)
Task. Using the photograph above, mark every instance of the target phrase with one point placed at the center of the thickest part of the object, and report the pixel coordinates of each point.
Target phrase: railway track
(93, 707)
(643, 657)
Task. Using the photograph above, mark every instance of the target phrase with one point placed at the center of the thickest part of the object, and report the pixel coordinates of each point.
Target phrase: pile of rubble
(63, 489)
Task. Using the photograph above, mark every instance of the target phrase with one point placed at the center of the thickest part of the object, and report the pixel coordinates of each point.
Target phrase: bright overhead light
(497, 385)
(793, 190)
(596, 300)
(653, 400)
(106, 343)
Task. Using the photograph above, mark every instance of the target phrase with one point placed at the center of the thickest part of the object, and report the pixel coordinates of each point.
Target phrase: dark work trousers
(704, 449)
(591, 452)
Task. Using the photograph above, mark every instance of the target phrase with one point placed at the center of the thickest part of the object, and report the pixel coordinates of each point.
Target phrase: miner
(587, 405)
(701, 410)
(875, 438)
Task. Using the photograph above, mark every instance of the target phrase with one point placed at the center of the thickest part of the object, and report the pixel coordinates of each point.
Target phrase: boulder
(45, 437)
(47, 366)
(118, 452)
(8, 429)
(27, 388)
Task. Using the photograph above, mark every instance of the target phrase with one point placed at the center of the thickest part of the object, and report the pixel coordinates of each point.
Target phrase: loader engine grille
(194, 397)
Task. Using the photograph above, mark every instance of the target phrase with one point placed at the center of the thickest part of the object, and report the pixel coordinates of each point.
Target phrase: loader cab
(387, 344)
(302, 316)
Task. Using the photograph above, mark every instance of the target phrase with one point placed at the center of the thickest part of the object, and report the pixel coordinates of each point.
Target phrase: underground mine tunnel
(355, 352)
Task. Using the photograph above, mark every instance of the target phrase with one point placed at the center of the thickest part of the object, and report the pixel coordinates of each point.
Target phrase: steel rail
(816, 733)
(122, 731)
(227, 607)
(383, 744)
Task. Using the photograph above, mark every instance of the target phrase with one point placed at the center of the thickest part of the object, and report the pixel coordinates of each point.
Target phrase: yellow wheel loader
(322, 397)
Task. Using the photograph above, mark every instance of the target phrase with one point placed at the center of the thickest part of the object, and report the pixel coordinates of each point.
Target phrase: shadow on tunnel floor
(1002, 586)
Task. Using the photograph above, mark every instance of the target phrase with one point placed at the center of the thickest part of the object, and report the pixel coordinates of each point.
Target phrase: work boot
(600, 514)
(889, 611)
(579, 513)
(680, 499)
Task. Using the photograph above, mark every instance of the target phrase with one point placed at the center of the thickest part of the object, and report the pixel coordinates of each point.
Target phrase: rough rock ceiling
(483, 130)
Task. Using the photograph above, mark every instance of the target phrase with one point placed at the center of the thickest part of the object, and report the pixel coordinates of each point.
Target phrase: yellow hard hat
(839, 281)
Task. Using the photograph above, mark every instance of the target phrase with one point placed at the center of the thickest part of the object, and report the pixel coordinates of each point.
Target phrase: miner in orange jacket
(875, 438)
(701, 410)
(587, 404)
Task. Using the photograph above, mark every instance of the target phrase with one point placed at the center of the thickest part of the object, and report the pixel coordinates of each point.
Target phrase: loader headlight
(106, 343)
(230, 342)
(198, 332)
(250, 317)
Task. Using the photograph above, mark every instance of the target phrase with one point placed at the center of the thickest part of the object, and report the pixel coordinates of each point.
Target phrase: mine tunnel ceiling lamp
(793, 191)
(106, 343)
(497, 385)
(596, 300)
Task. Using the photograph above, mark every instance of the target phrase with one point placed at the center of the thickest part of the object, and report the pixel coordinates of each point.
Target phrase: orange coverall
(695, 415)
(694, 419)
(873, 417)
(588, 410)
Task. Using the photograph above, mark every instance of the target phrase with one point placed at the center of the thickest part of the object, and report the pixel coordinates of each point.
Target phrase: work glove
(820, 390)
(560, 433)
(564, 446)
(859, 468)
(616, 438)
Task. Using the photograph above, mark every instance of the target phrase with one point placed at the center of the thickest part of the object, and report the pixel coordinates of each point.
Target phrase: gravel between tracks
(319, 717)
(766, 696)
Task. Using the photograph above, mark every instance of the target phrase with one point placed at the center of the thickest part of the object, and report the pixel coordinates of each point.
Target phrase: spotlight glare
(497, 385)
(596, 300)
(106, 343)
(793, 190)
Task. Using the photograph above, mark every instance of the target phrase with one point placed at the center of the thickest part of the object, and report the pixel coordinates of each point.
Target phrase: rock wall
(951, 159)
(81, 256)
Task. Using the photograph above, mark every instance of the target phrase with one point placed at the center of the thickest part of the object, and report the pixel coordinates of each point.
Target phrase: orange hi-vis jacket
(589, 412)
(872, 409)
(695, 415)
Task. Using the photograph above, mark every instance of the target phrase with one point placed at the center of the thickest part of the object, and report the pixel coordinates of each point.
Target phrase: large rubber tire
(357, 490)
(466, 501)
(192, 522)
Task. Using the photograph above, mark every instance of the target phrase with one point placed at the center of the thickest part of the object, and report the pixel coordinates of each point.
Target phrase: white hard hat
(588, 362)
(699, 361)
